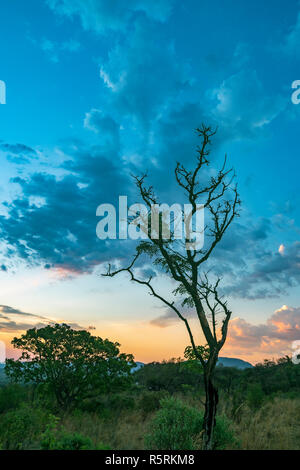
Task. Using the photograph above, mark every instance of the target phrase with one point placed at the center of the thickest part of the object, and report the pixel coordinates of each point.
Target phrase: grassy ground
(275, 425)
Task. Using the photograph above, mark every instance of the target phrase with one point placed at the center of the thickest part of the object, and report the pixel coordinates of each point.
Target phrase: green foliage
(19, 428)
(68, 441)
(228, 379)
(25, 422)
(168, 375)
(177, 426)
(107, 406)
(174, 426)
(11, 396)
(175, 375)
(255, 396)
(70, 363)
(223, 434)
(150, 401)
(53, 439)
(279, 376)
(102, 446)
(3, 378)
(58, 438)
(94, 404)
(120, 401)
(202, 351)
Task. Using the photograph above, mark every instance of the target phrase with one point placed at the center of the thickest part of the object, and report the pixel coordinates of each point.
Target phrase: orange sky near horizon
(150, 343)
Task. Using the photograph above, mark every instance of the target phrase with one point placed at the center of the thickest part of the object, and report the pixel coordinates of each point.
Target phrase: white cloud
(291, 43)
(103, 15)
(244, 105)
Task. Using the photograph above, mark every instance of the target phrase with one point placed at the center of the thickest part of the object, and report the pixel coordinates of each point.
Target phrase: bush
(19, 429)
(107, 406)
(255, 396)
(58, 438)
(119, 402)
(102, 446)
(11, 396)
(66, 441)
(150, 401)
(95, 404)
(223, 434)
(174, 426)
(177, 426)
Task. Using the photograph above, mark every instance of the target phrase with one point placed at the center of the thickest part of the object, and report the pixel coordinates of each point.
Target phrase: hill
(233, 362)
(222, 362)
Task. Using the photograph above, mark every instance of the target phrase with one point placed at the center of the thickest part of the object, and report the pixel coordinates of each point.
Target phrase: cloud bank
(273, 338)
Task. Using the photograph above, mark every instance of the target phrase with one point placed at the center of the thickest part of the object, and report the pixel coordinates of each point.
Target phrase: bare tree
(183, 264)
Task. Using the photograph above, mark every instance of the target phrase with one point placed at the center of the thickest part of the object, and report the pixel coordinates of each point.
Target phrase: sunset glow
(101, 93)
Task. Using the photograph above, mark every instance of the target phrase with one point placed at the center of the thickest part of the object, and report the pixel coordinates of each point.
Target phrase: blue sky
(97, 90)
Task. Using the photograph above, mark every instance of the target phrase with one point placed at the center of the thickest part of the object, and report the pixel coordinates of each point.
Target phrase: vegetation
(56, 437)
(71, 364)
(184, 261)
(160, 407)
(174, 426)
(178, 426)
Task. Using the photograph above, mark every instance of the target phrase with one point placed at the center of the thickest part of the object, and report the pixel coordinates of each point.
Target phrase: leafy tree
(168, 375)
(72, 364)
(227, 378)
(192, 362)
(183, 260)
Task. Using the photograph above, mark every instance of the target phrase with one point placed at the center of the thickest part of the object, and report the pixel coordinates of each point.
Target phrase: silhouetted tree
(72, 363)
(182, 260)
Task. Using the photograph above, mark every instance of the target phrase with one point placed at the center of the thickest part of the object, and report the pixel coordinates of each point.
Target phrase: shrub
(255, 396)
(119, 402)
(150, 401)
(58, 438)
(11, 396)
(102, 446)
(106, 406)
(64, 440)
(174, 426)
(19, 429)
(177, 426)
(223, 434)
(95, 404)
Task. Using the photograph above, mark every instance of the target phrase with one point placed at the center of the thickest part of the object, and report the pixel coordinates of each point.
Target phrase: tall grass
(275, 425)
(270, 423)
(124, 431)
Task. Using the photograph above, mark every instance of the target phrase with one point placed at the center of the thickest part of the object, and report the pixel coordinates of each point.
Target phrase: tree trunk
(211, 403)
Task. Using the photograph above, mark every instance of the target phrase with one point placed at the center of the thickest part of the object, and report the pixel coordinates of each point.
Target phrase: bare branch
(171, 305)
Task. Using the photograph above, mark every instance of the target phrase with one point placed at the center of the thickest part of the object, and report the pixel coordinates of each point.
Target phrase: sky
(98, 90)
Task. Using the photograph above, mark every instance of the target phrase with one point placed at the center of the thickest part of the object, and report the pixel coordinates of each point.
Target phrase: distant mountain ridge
(233, 362)
(222, 362)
